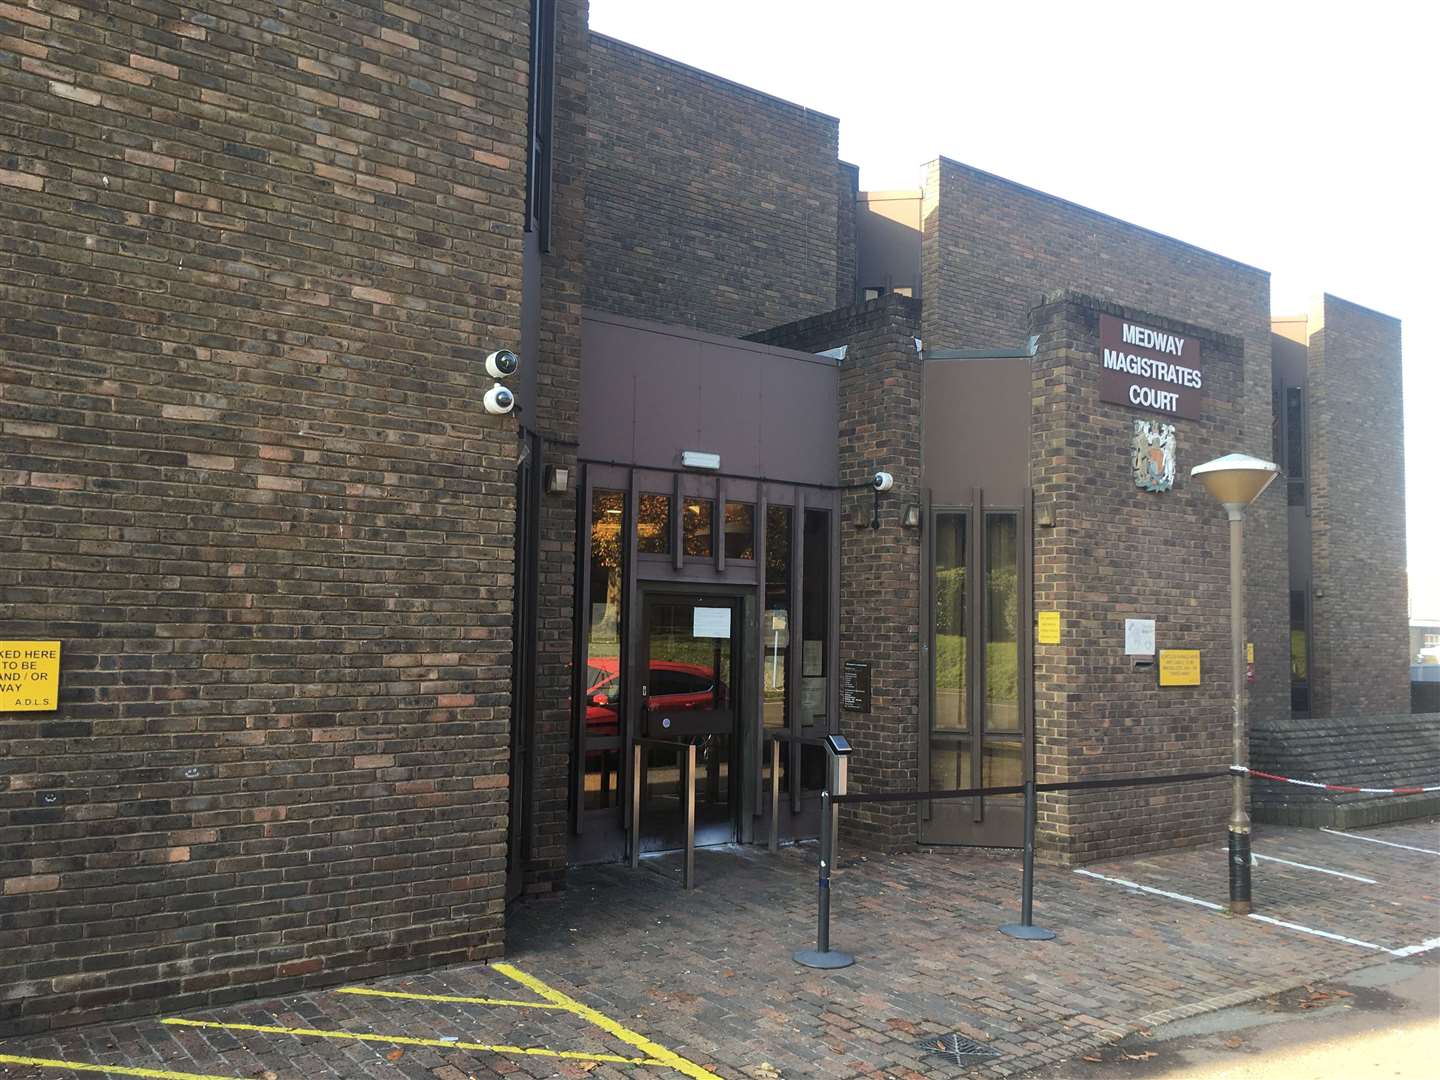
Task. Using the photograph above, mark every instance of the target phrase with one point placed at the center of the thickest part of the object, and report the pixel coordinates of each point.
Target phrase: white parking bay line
(1258, 918)
(1157, 892)
(1424, 946)
(1307, 866)
(1387, 843)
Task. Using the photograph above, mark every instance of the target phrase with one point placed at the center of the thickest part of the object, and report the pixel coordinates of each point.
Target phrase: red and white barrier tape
(1245, 770)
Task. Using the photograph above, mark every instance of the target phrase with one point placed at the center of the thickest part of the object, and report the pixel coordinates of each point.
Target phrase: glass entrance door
(689, 690)
(978, 619)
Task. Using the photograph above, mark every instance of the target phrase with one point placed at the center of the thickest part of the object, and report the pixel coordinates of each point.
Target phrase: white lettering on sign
(1152, 398)
(1150, 368)
(1146, 338)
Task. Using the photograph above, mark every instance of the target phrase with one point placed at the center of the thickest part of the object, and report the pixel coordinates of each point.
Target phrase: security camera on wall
(500, 363)
(883, 481)
(499, 400)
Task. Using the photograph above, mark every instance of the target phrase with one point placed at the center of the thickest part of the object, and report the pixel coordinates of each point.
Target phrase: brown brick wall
(557, 417)
(708, 204)
(880, 387)
(1160, 555)
(992, 247)
(1360, 651)
(250, 259)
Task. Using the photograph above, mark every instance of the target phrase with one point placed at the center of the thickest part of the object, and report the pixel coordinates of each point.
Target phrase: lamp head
(1236, 480)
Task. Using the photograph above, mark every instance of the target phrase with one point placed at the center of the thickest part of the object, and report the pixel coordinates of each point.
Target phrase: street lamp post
(1236, 481)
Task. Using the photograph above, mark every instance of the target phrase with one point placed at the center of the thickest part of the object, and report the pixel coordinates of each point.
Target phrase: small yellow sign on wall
(1179, 667)
(29, 676)
(1048, 628)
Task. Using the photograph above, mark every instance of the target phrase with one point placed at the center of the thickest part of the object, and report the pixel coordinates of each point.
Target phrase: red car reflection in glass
(673, 688)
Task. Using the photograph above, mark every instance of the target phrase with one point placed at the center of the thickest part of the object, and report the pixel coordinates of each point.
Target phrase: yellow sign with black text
(1179, 667)
(1048, 627)
(29, 676)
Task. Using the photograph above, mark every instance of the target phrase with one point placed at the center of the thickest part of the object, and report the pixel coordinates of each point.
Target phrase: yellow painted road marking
(114, 1070)
(405, 1040)
(658, 1053)
(448, 997)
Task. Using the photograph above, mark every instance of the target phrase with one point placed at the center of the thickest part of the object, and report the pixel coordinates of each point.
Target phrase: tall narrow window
(776, 628)
(951, 706)
(1002, 617)
(699, 528)
(739, 530)
(653, 525)
(815, 590)
(603, 671)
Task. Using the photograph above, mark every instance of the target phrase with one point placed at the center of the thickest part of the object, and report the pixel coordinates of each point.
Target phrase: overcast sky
(1299, 138)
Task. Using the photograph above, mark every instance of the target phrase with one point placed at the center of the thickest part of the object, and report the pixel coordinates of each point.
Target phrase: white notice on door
(712, 622)
(1139, 637)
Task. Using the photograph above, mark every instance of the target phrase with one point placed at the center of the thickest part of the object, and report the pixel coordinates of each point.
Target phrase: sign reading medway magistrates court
(1150, 369)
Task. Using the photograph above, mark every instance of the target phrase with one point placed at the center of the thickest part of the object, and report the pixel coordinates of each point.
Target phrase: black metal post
(1025, 929)
(822, 956)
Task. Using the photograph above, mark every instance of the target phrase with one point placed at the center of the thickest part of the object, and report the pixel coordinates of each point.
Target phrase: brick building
(349, 663)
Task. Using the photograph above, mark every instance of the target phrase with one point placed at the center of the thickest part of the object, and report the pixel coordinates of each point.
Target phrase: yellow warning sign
(1048, 629)
(29, 676)
(1179, 667)
(1249, 652)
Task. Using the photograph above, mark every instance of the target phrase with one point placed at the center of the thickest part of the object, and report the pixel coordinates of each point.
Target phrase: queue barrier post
(1025, 929)
(822, 956)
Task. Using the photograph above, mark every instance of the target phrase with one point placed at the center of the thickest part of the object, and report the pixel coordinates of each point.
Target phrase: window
(874, 292)
(776, 628)
(903, 290)
(602, 649)
(815, 596)
(699, 528)
(951, 706)
(740, 531)
(653, 527)
(1002, 617)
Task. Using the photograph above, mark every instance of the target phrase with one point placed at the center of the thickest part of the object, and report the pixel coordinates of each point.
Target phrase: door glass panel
(950, 765)
(776, 627)
(699, 527)
(1002, 617)
(951, 709)
(739, 531)
(602, 779)
(815, 589)
(653, 526)
(602, 660)
(689, 701)
(689, 672)
(1000, 766)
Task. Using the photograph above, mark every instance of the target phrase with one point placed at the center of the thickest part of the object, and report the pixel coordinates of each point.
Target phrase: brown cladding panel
(977, 425)
(652, 391)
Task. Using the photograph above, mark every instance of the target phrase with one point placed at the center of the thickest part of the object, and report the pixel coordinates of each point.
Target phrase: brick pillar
(557, 417)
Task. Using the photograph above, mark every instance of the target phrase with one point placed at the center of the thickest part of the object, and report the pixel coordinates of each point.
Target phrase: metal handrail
(836, 771)
(687, 786)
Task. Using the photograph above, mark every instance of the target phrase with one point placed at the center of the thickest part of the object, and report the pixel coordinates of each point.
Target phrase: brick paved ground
(708, 974)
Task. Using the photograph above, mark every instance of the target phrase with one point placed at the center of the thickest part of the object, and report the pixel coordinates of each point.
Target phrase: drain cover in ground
(961, 1049)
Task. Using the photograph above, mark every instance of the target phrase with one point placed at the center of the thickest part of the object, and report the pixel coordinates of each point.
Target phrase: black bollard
(822, 956)
(1025, 929)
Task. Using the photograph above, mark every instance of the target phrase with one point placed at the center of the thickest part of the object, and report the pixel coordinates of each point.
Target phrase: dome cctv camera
(883, 481)
(499, 400)
(500, 363)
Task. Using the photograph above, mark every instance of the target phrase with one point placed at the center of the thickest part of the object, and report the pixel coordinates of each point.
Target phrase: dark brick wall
(250, 259)
(992, 247)
(708, 204)
(557, 417)
(1357, 473)
(1360, 751)
(880, 387)
(1114, 552)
